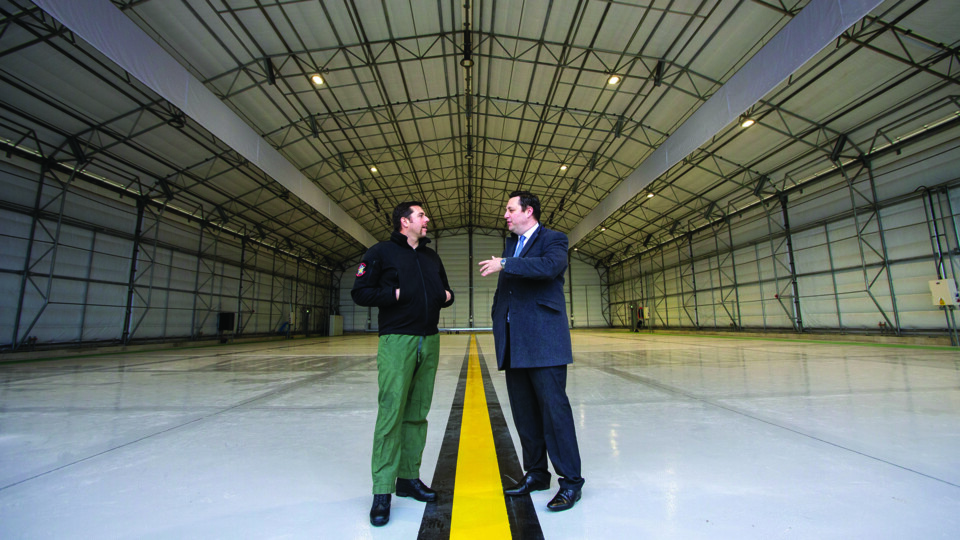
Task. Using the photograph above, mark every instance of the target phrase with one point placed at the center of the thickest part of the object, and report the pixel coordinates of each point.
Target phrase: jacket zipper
(423, 283)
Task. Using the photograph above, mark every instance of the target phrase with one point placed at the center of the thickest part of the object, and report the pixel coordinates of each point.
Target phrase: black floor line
(437, 516)
(524, 524)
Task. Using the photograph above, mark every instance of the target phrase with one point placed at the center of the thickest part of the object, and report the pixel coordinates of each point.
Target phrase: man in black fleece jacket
(404, 279)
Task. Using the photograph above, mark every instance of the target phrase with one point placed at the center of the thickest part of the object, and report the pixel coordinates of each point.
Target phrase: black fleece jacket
(418, 273)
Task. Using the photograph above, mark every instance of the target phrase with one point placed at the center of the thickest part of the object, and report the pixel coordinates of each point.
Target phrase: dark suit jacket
(530, 287)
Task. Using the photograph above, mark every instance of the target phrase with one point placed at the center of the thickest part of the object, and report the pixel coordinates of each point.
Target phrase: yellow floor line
(479, 510)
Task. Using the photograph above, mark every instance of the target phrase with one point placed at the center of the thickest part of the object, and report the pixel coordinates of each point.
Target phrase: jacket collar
(399, 238)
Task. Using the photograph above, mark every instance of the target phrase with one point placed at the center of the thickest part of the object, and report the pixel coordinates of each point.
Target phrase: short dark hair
(403, 210)
(528, 200)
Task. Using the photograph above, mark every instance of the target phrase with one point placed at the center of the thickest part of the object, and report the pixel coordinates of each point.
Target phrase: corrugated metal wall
(81, 266)
(854, 252)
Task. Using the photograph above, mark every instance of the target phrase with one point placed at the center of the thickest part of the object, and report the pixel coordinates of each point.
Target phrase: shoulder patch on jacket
(362, 269)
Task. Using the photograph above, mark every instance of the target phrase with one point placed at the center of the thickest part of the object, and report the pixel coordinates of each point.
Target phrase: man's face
(417, 222)
(518, 219)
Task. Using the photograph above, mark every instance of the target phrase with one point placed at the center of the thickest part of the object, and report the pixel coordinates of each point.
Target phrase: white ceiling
(460, 139)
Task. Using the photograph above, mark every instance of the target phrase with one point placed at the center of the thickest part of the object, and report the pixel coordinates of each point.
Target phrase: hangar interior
(171, 170)
(186, 183)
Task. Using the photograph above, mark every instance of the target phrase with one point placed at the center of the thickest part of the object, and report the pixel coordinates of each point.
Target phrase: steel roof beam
(111, 32)
(817, 25)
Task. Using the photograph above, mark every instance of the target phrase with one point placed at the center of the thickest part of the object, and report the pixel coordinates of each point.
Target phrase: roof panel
(394, 95)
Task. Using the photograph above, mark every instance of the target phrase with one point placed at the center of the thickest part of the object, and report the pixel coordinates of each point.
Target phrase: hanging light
(317, 79)
(373, 169)
(563, 167)
(614, 79)
(746, 121)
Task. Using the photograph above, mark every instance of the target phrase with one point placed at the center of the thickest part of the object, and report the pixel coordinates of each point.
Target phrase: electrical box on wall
(943, 292)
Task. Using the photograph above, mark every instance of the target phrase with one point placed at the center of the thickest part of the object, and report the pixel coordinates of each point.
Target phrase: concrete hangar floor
(682, 436)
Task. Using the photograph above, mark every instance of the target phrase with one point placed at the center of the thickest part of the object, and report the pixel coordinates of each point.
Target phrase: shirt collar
(530, 232)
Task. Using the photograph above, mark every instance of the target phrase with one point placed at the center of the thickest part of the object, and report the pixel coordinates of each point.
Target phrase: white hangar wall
(81, 265)
(853, 252)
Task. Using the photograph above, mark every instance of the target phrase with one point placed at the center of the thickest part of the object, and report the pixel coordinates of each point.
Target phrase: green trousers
(406, 370)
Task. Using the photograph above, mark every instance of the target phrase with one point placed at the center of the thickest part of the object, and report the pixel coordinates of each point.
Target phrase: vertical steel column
(250, 292)
(54, 238)
(798, 319)
(954, 260)
(273, 294)
(604, 272)
(861, 241)
(763, 303)
(243, 260)
(712, 287)
(737, 320)
(954, 218)
(883, 246)
(658, 299)
(786, 241)
(134, 258)
(720, 275)
(322, 317)
(939, 253)
(641, 294)
(194, 330)
(86, 283)
(693, 282)
(295, 294)
(689, 270)
(145, 265)
(470, 298)
(167, 310)
(833, 277)
(666, 298)
(209, 283)
(680, 277)
(935, 235)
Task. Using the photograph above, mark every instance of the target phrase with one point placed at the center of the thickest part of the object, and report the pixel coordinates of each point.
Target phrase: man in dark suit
(533, 346)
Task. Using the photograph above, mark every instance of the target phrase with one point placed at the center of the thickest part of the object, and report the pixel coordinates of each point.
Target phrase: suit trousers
(544, 421)
(406, 371)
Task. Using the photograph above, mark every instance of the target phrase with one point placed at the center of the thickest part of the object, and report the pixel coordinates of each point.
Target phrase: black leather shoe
(416, 489)
(564, 500)
(380, 512)
(528, 485)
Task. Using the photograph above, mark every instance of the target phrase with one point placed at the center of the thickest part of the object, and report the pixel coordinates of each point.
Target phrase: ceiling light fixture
(317, 79)
(563, 167)
(746, 121)
(658, 73)
(373, 169)
(614, 79)
(649, 195)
